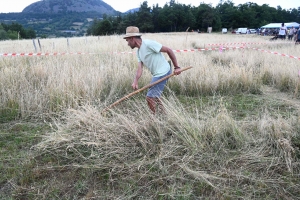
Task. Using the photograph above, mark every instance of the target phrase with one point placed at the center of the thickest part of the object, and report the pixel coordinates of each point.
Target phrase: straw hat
(132, 31)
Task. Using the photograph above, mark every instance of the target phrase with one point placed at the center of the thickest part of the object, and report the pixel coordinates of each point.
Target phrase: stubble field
(231, 128)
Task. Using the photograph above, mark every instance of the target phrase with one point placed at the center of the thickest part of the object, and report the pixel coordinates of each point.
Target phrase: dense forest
(178, 17)
(171, 17)
(15, 31)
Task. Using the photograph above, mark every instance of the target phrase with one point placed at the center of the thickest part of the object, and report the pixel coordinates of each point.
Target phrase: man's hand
(177, 71)
(135, 86)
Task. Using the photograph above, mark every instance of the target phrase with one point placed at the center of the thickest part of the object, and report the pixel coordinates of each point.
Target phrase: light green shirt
(149, 53)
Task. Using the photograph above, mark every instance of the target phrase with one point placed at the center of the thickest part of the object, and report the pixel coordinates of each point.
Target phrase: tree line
(15, 31)
(173, 17)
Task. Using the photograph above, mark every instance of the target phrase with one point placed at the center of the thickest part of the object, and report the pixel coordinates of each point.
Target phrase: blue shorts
(156, 90)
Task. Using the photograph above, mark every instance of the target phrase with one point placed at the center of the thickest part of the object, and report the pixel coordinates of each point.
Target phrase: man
(282, 32)
(298, 36)
(149, 54)
(291, 33)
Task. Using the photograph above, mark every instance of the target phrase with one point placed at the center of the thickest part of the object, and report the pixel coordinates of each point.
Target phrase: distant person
(282, 32)
(298, 36)
(291, 33)
(149, 54)
(295, 33)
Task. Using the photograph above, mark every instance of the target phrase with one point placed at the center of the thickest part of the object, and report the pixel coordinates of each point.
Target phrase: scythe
(141, 89)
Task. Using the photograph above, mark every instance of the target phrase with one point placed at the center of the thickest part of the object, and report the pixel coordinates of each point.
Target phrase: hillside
(56, 6)
(55, 18)
(53, 24)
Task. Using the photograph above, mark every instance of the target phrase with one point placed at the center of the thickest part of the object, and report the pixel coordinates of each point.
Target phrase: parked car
(252, 31)
(241, 31)
(224, 30)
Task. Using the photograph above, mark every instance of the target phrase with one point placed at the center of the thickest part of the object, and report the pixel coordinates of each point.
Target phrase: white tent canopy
(278, 25)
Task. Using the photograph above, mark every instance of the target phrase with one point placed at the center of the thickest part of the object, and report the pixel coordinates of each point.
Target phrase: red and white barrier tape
(206, 49)
(81, 53)
(56, 54)
(220, 49)
(248, 43)
(238, 43)
(276, 53)
(41, 54)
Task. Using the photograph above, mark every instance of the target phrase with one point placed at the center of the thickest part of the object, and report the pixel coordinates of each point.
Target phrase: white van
(224, 30)
(241, 31)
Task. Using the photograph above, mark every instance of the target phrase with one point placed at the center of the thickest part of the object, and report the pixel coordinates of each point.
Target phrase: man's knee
(150, 99)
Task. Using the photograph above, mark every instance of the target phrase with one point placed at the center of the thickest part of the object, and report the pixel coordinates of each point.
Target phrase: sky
(8, 6)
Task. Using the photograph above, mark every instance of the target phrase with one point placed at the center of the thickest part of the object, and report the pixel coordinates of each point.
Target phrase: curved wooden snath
(141, 89)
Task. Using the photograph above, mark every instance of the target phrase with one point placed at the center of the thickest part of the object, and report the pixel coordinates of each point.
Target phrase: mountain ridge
(56, 6)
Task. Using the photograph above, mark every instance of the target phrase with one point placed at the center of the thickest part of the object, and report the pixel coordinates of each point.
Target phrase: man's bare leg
(160, 106)
(151, 103)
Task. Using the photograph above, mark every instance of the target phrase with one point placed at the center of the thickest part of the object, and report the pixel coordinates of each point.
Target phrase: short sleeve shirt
(292, 31)
(282, 30)
(149, 53)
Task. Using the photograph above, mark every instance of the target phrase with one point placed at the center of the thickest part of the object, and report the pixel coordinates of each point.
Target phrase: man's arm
(139, 73)
(172, 57)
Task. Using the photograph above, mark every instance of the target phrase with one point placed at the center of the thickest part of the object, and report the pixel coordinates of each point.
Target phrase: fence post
(40, 45)
(68, 42)
(34, 45)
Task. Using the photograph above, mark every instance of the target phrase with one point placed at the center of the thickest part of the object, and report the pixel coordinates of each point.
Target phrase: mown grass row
(209, 153)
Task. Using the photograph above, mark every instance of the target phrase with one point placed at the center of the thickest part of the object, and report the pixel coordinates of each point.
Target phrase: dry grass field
(231, 128)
